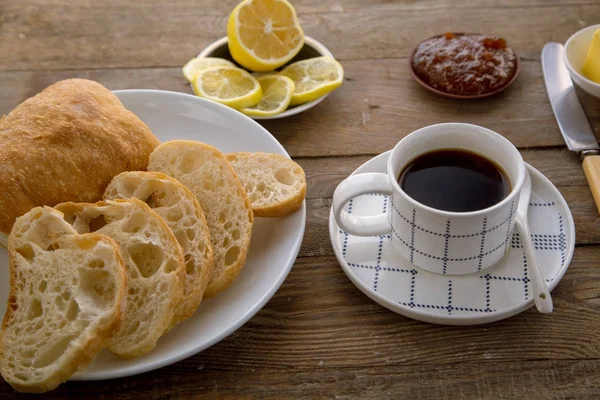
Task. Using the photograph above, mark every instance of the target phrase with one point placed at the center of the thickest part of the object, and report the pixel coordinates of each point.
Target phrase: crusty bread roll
(66, 144)
(228, 211)
(275, 184)
(154, 264)
(66, 295)
(180, 209)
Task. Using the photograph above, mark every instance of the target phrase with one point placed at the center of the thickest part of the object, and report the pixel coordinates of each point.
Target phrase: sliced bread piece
(275, 184)
(154, 264)
(208, 174)
(66, 295)
(180, 209)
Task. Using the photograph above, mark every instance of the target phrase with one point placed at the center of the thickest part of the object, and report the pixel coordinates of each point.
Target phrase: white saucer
(496, 293)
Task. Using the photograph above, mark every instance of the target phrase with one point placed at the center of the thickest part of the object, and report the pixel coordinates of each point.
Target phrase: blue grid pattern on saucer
(507, 283)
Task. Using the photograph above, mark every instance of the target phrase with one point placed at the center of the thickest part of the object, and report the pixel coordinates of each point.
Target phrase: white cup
(454, 243)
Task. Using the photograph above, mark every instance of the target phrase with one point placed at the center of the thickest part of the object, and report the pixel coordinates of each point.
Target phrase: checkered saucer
(499, 292)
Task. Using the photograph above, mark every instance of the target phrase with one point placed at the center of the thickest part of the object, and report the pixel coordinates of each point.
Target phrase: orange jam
(465, 65)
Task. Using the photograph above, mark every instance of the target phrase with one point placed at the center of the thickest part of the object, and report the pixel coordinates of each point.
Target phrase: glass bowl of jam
(464, 65)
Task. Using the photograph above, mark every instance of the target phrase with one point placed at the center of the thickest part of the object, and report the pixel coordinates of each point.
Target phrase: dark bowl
(457, 96)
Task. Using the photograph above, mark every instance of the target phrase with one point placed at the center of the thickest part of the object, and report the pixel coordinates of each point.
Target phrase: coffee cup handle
(352, 187)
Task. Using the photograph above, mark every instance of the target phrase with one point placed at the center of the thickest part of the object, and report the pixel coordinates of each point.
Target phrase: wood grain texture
(224, 7)
(562, 167)
(377, 105)
(137, 34)
(538, 379)
(583, 208)
(320, 335)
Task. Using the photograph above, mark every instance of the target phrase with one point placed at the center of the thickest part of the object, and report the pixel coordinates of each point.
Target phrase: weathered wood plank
(193, 380)
(319, 316)
(585, 214)
(319, 336)
(168, 34)
(381, 104)
(562, 167)
(315, 6)
(320, 327)
(377, 105)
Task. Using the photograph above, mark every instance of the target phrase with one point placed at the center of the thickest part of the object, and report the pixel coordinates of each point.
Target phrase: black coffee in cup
(454, 180)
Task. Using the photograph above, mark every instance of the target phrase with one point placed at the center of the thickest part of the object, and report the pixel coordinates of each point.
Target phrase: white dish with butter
(576, 51)
(274, 245)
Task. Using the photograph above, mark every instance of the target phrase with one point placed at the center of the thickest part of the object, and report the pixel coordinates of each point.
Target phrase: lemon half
(264, 34)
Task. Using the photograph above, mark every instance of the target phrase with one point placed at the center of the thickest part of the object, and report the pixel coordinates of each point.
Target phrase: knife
(571, 118)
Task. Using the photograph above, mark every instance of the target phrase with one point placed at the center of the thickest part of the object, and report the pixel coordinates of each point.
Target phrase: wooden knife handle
(591, 167)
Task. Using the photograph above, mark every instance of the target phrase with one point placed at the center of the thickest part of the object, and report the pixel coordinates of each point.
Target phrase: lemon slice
(195, 65)
(231, 86)
(277, 93)
(264, 34)
(314, 77)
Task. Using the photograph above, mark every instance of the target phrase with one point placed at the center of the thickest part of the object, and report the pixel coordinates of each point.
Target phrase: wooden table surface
(319, 336)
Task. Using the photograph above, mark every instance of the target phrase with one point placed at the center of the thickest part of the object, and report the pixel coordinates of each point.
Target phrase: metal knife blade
(571, 118)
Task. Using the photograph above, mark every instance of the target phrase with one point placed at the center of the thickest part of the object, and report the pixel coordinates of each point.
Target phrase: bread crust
(66, 144)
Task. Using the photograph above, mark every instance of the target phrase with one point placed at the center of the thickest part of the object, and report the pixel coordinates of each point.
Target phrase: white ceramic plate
(493, 294)
(312, 48)
(274, 247)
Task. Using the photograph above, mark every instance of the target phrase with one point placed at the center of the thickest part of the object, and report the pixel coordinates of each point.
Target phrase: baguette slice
(66, 295)
(178, 207)
(228, 211)
(154, 264)
(275, 184)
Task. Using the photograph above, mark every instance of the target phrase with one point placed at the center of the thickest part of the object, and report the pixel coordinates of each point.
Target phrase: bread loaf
(66, 293)
(208, 174)
(66, 144)
(154, 264)
(179, 208)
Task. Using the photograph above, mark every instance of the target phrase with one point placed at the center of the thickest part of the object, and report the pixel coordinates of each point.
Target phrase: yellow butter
(591, 67)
